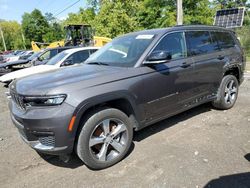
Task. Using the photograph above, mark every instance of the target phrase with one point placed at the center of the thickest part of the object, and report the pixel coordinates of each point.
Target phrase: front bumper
(45, 129)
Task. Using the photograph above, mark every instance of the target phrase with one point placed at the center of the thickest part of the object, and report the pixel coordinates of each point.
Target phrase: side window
(79, 57)
(53, 53)
(225, 40)
(92, 51)
(45, 55)
(200, 42)
(174, 44)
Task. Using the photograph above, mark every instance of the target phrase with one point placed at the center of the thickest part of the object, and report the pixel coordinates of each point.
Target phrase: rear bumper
(45, 130)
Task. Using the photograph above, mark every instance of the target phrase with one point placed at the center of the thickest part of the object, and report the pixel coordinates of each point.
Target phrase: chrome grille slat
(18, 100)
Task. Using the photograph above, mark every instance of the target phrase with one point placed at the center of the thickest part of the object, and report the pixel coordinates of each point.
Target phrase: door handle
(185, 65)
(220, 57)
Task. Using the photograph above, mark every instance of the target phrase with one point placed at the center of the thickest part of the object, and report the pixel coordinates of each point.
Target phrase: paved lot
(202, 147)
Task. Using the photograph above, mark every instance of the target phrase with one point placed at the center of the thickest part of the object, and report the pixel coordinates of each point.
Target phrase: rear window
(225, 39)
(200, 42)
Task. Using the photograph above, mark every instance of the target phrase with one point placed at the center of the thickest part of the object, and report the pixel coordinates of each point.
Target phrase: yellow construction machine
(76, 35)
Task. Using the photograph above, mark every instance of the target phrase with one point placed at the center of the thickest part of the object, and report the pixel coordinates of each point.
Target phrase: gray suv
(134, 81)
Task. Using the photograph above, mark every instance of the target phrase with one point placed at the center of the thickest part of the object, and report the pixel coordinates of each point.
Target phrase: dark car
(48, 54)
(132, 82)
(19, 64)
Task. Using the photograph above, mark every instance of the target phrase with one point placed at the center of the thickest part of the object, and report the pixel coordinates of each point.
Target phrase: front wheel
(105, 138)
(227, 93)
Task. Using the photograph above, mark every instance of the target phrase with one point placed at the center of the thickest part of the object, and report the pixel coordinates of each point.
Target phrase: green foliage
(41, 28)
(155, 14)
(232, 3)
(116, 18)
(244, 35)
(198, 12)
(54, 33)
(12, 35)
(111, 18)
(84, 16)
(34, 26)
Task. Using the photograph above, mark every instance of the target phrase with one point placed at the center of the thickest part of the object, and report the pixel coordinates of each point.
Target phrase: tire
(105, 138)
(227, 93)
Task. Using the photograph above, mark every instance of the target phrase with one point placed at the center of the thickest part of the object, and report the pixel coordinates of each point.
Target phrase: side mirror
(157, 57)
(67, 62)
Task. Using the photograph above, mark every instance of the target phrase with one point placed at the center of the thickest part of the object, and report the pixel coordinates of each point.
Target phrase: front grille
(18, 100)
(47, 141)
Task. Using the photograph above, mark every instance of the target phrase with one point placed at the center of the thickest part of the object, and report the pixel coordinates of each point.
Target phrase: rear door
(208, 63)
(227, 43)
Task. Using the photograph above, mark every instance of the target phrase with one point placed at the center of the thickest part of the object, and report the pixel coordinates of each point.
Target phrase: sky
(14, 9)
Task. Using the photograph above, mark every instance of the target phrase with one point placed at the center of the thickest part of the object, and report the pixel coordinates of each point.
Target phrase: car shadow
(247, 157)
(74, 161)
(169, 122)
(241, 180)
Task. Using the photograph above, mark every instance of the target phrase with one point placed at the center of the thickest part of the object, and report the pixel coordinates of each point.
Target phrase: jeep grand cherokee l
(132, 82)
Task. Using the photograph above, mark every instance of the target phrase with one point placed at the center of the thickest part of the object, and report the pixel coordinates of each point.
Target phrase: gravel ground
(202, 147)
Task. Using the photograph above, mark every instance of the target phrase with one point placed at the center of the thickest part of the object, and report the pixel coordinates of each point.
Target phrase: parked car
(92, 109)
(48, 54)
(20, 55)
(65, 58)
(1, 59)
(8, 67)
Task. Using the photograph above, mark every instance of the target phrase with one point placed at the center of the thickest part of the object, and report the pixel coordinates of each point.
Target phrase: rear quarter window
(225, 40)
(200, 42)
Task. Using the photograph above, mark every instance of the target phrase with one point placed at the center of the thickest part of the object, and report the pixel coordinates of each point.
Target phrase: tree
(198, 12)
(12, 35)
(116, 18)
(232, 3)
(34, 26)
(155, 14)
(84, 16)
(55, 30)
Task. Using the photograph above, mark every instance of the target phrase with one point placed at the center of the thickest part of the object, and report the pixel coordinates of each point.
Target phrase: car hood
(26, 72)
(78, 77)
(14, 63)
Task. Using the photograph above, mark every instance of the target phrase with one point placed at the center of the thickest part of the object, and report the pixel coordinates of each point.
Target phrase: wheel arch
(119, 100)
(233, 70)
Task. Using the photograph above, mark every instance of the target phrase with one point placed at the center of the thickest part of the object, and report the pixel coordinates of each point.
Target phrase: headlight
(44, 100)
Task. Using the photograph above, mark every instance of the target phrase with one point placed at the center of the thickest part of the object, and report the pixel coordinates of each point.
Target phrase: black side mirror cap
(157, 57)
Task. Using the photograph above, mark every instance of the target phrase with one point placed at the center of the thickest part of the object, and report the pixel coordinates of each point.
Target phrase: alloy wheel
(108, 140)
(230, 92)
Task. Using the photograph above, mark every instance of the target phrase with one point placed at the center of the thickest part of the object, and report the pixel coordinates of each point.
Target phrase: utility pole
(179, 12)
(23, 40)
(1, 31)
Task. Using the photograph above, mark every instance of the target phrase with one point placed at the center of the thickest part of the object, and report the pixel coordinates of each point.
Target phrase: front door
(167, 84)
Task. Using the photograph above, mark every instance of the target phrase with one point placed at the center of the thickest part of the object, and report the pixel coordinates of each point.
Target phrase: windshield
(122, 52)
(54, 60)
(35, 55)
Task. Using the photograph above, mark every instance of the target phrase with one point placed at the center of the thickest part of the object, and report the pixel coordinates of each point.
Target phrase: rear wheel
(227, 93)
(105, 138)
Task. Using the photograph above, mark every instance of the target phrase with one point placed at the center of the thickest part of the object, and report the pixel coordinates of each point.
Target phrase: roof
(177, 28)
(72, 50)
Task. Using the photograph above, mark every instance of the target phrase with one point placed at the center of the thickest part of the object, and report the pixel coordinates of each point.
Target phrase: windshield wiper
(97, 63)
